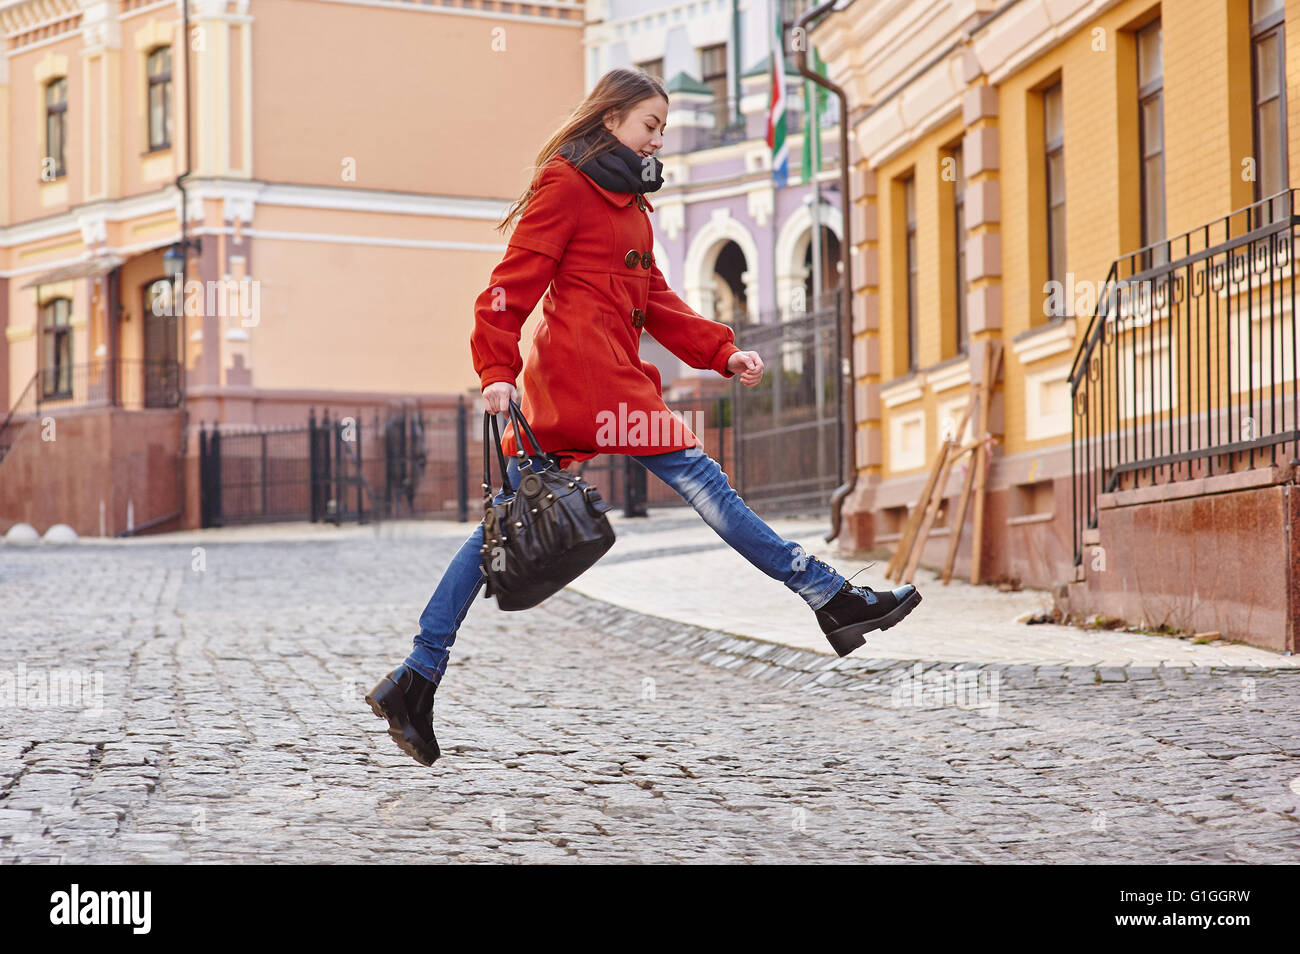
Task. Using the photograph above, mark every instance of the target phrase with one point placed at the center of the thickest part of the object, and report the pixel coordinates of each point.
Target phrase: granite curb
(791, 667)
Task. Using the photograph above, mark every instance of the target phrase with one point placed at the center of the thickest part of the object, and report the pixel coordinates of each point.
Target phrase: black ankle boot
(405, 699)
(855, 610)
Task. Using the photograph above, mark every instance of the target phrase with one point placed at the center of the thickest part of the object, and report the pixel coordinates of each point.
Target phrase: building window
(1151, 139)
(653, 67)
(56, 345)
(1268, 72)
(959, 244)
(1054, 150)
(713, 69)
(160, 98)
(909, 207)
(56, 125)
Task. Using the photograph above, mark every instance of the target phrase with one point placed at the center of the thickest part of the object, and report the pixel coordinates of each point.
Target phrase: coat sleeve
(698, 341)
(522, 277)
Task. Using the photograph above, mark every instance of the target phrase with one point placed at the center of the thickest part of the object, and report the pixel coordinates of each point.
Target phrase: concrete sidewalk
(673, 566)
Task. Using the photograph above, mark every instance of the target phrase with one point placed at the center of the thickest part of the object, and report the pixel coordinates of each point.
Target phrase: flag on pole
(815, 100)
(776, 109)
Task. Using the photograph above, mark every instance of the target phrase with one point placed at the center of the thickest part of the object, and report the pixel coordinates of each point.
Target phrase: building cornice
(558, 13)
(240, 197)
(902, 107)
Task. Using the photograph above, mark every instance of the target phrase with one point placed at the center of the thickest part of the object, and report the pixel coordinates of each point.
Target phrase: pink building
(328, 165)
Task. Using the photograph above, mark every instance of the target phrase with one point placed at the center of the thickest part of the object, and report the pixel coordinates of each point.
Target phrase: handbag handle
(521, 427)
(506, 489)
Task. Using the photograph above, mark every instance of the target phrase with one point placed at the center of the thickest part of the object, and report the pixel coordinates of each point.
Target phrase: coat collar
(619, 199)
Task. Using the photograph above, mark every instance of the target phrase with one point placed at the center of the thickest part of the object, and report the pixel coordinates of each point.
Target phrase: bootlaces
(856, 572)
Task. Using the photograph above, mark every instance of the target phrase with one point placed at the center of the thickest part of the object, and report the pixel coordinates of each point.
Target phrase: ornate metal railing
(1188, 365)
(133, 384)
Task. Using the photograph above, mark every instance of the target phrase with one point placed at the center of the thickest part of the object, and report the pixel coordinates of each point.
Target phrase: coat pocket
(609, 331)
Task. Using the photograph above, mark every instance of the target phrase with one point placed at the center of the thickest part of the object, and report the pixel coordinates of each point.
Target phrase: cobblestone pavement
(233, 729)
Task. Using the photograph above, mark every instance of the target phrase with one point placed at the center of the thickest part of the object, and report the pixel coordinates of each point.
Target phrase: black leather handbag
(544, 536)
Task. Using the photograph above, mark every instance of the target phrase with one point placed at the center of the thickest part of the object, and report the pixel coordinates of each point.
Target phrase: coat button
(631, 258)
(647, 259)
(638, 318)
(640, 202)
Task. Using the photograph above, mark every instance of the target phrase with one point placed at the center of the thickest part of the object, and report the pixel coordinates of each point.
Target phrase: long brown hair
(618, 90)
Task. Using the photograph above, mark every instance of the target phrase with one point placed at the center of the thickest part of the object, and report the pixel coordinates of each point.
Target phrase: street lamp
(174, 257)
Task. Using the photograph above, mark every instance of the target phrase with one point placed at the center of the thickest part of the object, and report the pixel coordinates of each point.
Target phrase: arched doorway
(721, 270)
(730, 299)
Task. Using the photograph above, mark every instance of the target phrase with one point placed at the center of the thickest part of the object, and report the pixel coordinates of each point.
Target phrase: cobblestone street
(233, 729)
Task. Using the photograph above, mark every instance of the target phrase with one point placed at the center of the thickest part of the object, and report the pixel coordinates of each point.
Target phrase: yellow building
(1083, 181)
(328, 166)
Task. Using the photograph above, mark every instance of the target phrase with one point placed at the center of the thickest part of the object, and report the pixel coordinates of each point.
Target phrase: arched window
(56, 348)
(56, 125)
(160, 98)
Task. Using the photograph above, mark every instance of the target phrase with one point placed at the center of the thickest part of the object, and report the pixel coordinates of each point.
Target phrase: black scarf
(619, 169)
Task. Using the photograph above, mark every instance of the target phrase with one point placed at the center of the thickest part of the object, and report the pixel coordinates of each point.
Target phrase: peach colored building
(336, 167)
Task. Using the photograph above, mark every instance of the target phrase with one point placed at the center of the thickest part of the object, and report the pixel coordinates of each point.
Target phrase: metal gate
(789, 432)
(254, 477)
(317, 472)
(405, 461)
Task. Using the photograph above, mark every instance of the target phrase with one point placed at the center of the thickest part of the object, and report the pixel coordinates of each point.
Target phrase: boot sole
(389, 704)
(848, 638)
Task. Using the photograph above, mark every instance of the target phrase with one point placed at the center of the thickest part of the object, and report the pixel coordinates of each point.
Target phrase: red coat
(591, 251)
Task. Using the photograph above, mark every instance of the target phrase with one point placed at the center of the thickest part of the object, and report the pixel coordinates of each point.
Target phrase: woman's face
(643, 129)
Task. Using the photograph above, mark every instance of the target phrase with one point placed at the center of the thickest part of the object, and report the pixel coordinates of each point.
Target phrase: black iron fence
(331, 470)
(779, 444)
(1188, 366)
(402, 462)
(254, 476)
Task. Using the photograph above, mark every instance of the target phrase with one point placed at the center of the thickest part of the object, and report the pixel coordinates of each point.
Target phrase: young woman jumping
(584, 240)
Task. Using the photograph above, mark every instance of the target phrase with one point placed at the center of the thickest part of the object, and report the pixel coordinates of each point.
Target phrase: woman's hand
(498, 396)
(748, 365)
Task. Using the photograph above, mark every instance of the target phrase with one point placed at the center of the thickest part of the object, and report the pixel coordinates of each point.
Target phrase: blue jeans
(701, 483)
